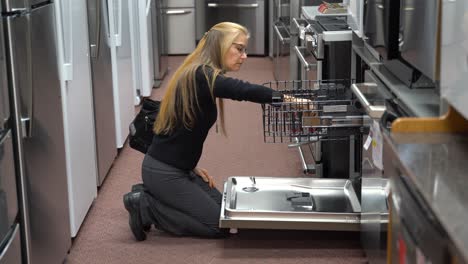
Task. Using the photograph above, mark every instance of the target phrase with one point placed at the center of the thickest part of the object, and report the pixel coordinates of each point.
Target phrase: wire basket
(312, 111)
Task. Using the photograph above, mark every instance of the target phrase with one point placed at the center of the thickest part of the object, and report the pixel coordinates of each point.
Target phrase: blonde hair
(181, 90)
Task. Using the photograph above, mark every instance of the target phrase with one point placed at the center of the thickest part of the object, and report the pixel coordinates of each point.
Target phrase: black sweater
(183, 147)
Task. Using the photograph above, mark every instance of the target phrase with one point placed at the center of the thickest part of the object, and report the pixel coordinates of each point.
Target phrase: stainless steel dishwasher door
(249, 13)
(290, 203)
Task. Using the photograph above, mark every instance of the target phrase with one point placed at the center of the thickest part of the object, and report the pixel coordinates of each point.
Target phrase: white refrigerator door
(122, 75)
(146, 45)
(136, 53)
(78, 110)
(142, 42)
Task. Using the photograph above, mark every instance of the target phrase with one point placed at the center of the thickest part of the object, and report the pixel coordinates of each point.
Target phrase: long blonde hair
(181, 90)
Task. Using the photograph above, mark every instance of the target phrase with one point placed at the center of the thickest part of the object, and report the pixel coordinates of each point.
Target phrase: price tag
(368, 142)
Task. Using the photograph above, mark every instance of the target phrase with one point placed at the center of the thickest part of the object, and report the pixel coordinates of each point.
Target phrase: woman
(177, 196)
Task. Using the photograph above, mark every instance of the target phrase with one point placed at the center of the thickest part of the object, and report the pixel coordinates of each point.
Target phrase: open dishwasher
(330, 114)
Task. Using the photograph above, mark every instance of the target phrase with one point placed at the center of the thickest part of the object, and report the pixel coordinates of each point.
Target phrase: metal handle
(95, 47)
(67, 68)
(307, 66)
(178, 12)
(21, 78)
(281, 38)
(105, 15)
(335, 121)
(216, 5)
(305, 167)
(118, 34)
(374, 111)
(253, 180)
(296, 23)
(303, 162)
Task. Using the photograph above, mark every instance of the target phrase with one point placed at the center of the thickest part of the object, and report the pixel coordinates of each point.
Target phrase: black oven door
(381, 22)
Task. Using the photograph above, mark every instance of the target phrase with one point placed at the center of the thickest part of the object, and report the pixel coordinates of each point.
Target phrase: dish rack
(312, 110)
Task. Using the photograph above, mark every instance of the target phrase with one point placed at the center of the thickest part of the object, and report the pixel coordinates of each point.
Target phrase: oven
(324, 51)
(309, 66)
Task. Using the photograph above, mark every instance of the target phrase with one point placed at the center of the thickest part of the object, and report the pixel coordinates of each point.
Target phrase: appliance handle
(118, 35)
(24, 94)
(305, 167)
(148, 7)
(307, 66)
(281, 38)
(217, 5)
(297, 24)
(67, 68)
(96, 47)
(178, 12)
(375, 111)
(105, 15)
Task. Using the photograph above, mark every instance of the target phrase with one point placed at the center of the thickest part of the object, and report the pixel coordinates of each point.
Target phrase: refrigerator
(101, 71)
(121, 63)
(38, 130)
(10, 244)
(78, 110)
(142, 43)
(159, 35)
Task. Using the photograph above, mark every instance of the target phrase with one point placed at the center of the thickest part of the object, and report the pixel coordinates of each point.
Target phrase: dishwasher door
(290, 203)
(249, 13)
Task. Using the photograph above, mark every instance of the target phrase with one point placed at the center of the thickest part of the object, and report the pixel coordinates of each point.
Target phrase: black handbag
(141, 128)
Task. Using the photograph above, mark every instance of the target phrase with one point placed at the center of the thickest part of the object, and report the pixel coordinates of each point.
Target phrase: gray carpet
(106, 238)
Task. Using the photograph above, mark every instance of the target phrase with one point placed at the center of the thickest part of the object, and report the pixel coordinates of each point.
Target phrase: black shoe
(139, 187)
(132, 204)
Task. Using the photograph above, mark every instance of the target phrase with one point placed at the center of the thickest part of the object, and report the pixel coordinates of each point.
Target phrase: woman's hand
(205, 176)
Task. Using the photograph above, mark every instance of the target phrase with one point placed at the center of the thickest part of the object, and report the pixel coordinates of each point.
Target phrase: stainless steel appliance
(10, 242)
(159, 33)
(454, 55)
(419, 40)
(387, 24)
(37, 120)
(325, 50)
(330, 203)
(249, 13)
(281, 49)
(295, 12)
(180, 26)
(374, 186)
(324, 54)
(416, 235)
(276, 10)
(381, 22)
(98, 24)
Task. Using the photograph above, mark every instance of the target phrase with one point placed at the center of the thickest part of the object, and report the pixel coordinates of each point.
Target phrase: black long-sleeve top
(183, 147)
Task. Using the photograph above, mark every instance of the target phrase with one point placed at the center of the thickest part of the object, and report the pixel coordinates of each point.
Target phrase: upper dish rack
(312, 111)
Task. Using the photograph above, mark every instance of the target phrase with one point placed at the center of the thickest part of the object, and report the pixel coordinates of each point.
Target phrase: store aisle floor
(105, 236)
